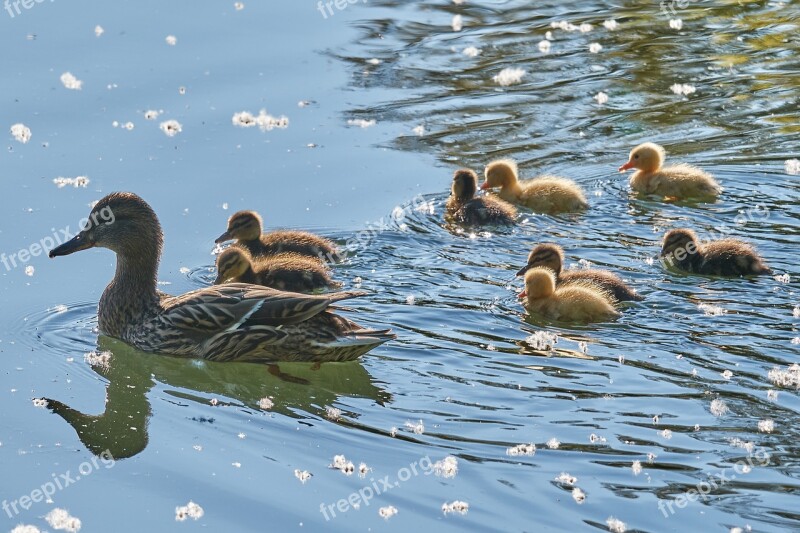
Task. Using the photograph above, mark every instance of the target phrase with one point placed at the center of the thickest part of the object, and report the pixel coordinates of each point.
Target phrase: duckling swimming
(229, 322)
(286, 271)
(465, 208)
(677, 181)
(552, 257)
(573, 302)
(725, 257)
(245, 228)
(545, 194)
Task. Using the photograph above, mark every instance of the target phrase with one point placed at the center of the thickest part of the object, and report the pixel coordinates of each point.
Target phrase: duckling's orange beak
(76, 244)
(485, 186)
(626, 166)
(224, 237)
(523, 294)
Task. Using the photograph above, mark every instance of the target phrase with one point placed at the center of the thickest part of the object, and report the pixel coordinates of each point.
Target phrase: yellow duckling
(245, 228)
(725, 257)
(465, 208)
(552, 256)
(574, 302)
(674, 182)
(286, 272)
(545, 194)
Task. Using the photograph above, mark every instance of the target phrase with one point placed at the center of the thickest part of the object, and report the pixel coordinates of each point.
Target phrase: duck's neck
(511, 190)
(132, 293)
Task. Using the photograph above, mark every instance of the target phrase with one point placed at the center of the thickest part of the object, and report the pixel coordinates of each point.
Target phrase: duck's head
(243, 226)
(121, 222)
(232, 264)
(540, 282)
(465, 184)
(679, 239)
(647, 157)
(544, 255)
(500, 173)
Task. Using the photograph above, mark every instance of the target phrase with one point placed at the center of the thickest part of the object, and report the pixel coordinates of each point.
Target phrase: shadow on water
(122, 429)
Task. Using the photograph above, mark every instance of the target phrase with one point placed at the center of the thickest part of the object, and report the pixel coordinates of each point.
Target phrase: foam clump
(61, 519)
(509, 76)
(190, 510)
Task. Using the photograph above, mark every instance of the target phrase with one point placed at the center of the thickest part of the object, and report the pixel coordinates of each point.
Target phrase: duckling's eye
(636, 156)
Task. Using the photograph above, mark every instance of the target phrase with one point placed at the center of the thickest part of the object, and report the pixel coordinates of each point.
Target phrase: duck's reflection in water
(122, 429)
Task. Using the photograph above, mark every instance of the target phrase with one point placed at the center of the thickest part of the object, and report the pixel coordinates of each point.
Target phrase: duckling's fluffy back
(579, 301)
(731, 257)
(481, 210)
(552, 194)
(293, 272)
(678, 181)
(603, 279)
(291, 241)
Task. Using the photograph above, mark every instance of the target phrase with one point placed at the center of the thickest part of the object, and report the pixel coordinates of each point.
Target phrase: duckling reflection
(122, 428)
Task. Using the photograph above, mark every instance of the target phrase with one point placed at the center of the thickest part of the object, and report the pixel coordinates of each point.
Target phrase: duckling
(675, 182)
(574, 302)
(286, 271)
(465, 208)
(245, 228)
(725, 257)
(545, 194)
(552, 257)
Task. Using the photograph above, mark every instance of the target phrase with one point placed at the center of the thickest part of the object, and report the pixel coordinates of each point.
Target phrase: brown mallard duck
(573, 302)
(545, 194)
(286, 271)
(552, 257)
(231, 322)
(245, 228)
(724, 257)
(675, 182)
(465, 208)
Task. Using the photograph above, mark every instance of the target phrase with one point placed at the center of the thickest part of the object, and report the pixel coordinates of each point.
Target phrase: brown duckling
(552, 257)
(573, 302)
(676, 182)
(285, 271)
(245, 228)
(725, 257)
(465, 208)
(545, 194)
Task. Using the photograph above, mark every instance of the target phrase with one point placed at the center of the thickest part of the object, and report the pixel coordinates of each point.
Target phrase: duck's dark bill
(224, 237)
(76, 244)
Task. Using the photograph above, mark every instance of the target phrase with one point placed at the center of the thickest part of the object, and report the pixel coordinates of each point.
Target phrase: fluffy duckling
(286, 271)
(545, 194)
(677, 181)
(725, 257)
(552, 256)
(465, 208)
(245, 228)
(574, 302)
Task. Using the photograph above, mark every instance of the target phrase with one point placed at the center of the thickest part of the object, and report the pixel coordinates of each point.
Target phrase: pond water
(690, 389)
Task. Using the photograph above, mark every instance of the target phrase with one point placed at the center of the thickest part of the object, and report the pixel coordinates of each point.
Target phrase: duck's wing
(231, 306)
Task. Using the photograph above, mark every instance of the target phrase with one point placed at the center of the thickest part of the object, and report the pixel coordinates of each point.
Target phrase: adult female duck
(231, 322)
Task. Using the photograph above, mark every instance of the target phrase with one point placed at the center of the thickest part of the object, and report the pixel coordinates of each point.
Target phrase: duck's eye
(636, 156)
